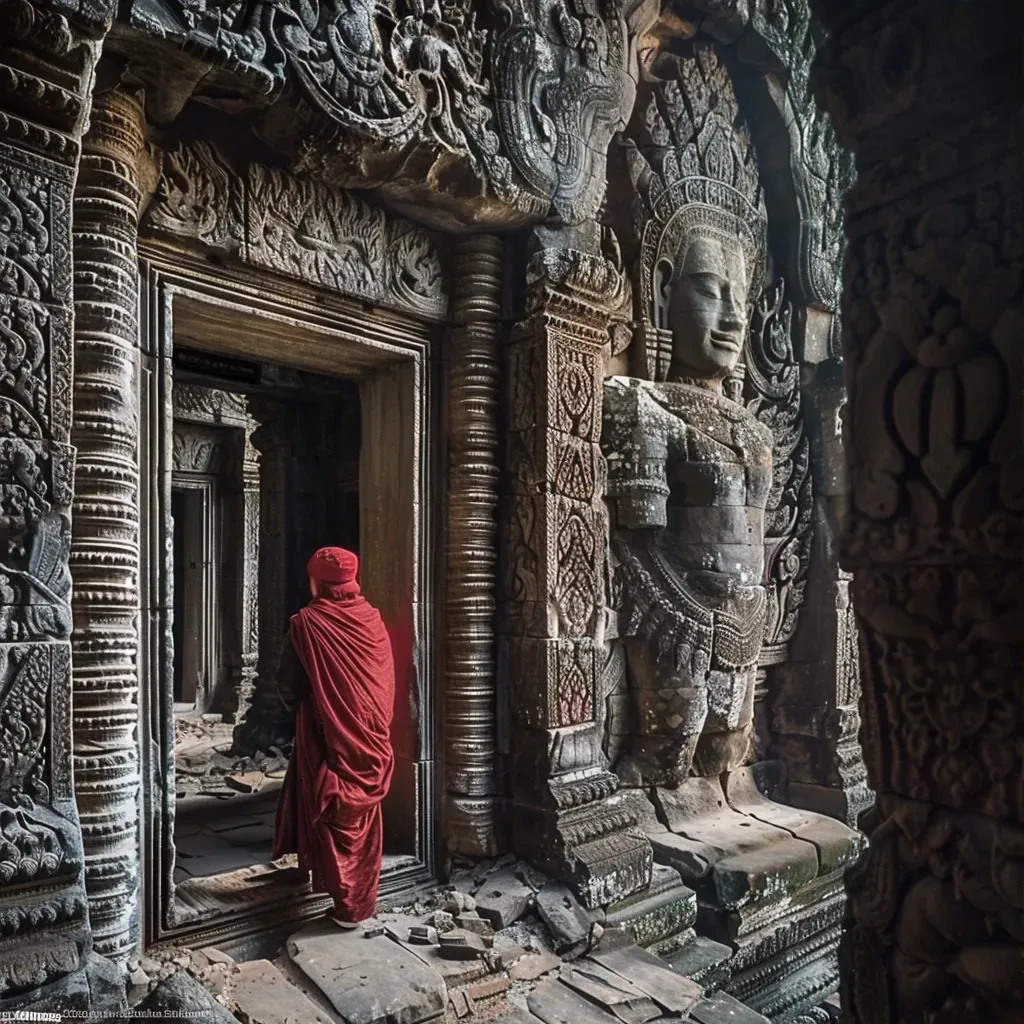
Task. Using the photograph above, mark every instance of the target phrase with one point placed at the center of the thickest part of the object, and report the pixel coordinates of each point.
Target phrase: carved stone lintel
(298, 227)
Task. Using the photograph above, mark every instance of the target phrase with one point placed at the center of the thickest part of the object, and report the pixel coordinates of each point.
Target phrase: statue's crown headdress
(694, 170)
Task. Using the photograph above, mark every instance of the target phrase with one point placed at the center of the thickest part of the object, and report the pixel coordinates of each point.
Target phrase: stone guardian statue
(689, 468)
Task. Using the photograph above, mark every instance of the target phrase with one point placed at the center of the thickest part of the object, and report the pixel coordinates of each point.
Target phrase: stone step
(702, 960)
(262, 995)
(725, 1009)
(667, 907)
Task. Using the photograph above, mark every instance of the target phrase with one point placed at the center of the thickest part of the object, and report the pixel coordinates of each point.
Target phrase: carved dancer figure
(689, 468)
(337, 672)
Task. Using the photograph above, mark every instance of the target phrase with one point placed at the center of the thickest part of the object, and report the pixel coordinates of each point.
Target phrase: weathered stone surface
(724, 1009)
(368, 981)
(838, 846)
(729, 857)
(555, 1003)
(617, 995)
(186, 997)
(473, 922)
(262, 995)
(569, 922)
(533, 966)
(702, 960)
(503, 898)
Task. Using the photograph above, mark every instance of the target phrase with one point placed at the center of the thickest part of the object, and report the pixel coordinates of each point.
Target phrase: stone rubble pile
(501, 944)
(206, 765)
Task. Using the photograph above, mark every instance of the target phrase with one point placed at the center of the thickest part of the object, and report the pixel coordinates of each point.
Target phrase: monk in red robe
(337, 674)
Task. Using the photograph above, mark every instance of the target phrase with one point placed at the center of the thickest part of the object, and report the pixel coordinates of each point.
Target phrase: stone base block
(794, 980)
(701, 960)
(591, 845)
(665, 909)
(71, 994)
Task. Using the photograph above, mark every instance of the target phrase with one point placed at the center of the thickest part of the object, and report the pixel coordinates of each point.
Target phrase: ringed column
(472, 770)
(105, 531)
(568, 818)
(930, 98)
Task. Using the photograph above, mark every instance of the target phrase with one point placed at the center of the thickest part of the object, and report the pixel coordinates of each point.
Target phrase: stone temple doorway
(255, 458)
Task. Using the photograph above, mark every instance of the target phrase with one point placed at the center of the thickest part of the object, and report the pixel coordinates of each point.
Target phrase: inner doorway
(265, 470)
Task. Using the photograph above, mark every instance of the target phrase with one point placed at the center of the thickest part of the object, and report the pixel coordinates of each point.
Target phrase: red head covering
(333, 566)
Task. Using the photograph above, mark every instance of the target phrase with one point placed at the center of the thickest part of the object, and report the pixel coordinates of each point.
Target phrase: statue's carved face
(707, 308)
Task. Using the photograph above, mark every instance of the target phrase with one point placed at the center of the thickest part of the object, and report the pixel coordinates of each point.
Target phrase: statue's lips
(726, 341)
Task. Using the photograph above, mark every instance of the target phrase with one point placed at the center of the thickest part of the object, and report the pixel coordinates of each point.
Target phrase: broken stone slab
(183, 995)
(503, 898)
(459, 944)
(669, 990)
(368, 981)
(567, 920)
(261, 995)
(724, 1009)
(555, 1003)
(620, 997)
(533, 966)
(423, 935)
(488, 989)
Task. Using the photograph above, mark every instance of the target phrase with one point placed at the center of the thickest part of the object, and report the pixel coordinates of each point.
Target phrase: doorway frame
(202, 491)
(189, 299)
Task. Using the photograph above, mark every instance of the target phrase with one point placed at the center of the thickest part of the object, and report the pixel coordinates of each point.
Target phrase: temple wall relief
(47, 60)
(932, 327)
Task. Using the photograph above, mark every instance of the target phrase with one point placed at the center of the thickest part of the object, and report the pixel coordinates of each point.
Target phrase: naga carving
(526, 105)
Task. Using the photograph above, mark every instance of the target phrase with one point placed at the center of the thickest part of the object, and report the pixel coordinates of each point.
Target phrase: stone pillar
(266, 724)
(472, 770)
(929, 97)
(46, 72)
(814, 714)
(567, 816)
(105, 536)
(249, 596)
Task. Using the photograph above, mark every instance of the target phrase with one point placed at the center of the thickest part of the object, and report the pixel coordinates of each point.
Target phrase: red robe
(341, 767)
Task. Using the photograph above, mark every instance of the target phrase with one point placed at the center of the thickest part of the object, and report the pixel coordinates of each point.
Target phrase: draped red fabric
(329, 812)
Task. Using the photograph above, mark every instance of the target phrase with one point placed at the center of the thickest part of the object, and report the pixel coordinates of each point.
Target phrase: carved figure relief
(300, 228)
(685, 461)
(936, 313)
